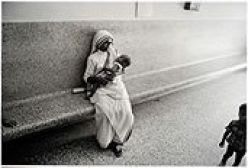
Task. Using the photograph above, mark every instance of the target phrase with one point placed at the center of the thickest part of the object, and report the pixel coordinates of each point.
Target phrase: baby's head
(123, 60)
(242, 112)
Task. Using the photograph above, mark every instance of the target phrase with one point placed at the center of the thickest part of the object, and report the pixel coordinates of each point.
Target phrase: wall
(66, 11)
(62, 11)
(41, 56)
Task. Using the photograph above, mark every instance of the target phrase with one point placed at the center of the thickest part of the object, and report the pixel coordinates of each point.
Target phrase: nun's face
(104, 46)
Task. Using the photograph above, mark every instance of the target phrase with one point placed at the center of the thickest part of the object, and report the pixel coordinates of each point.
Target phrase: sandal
(118, 150)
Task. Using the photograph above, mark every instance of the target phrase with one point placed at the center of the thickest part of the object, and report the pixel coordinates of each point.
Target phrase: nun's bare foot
(118, 150)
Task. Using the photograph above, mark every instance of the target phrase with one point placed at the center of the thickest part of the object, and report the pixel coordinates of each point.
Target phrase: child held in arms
(120, 64)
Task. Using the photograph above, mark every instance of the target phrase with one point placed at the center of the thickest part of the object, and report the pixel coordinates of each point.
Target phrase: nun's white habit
(114, 118)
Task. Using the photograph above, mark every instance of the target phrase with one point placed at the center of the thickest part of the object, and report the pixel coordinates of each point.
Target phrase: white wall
(70, 11)
(59, 11)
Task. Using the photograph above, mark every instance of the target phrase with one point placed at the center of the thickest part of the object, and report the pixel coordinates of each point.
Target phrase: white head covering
(99, 37)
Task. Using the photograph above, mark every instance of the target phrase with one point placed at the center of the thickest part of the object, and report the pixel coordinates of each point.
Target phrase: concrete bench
(63, 108)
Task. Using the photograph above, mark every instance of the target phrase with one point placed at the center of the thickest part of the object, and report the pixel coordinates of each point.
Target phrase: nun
(114, 117)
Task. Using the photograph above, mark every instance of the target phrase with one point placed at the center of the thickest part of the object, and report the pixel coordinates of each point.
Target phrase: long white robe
(114, 118)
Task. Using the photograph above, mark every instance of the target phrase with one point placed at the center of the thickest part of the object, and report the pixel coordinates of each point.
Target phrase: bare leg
(226, 156)
(238, 158)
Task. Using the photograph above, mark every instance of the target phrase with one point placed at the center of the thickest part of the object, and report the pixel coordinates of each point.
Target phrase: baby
(108, 74)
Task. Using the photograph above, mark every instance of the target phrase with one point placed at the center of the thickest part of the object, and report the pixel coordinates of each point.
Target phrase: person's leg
(124, 125)
(227, 155)
(106, 136)
(125, 120)
(104, 130)
(238, 158)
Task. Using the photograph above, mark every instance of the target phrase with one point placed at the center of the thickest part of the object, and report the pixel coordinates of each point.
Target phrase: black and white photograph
(123, 83)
